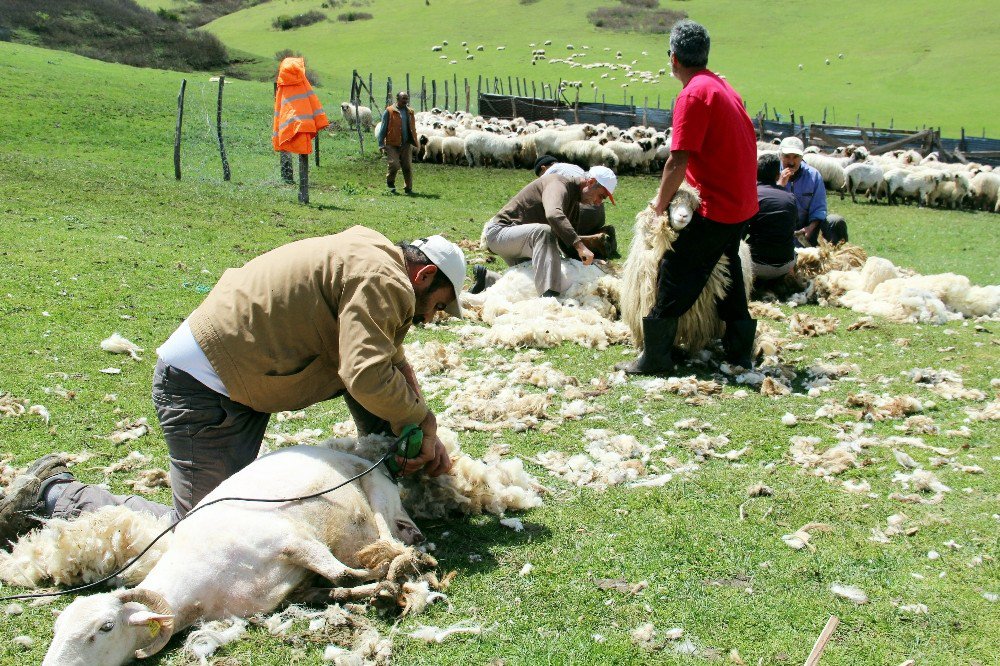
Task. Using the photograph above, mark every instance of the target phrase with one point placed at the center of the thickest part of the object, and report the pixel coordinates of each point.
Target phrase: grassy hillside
(99, 237)
(925, 62)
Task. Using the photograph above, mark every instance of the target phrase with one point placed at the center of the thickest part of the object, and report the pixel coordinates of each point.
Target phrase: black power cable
(392, 452)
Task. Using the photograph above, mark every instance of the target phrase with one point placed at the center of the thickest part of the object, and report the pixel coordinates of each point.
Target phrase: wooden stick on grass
(824, 637)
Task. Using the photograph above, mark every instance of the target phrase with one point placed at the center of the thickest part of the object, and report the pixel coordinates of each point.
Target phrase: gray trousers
(534, 241)
(209, 438)
(769, 272)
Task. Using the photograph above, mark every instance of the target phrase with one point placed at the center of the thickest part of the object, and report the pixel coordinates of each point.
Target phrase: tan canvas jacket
(310, 319)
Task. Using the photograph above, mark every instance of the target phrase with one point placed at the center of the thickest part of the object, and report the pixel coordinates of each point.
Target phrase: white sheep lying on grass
(652, 237)
(243, 558)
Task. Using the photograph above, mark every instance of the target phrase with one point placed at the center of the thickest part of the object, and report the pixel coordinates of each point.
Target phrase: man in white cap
(306, 322)
(806, 183)
(545, 211)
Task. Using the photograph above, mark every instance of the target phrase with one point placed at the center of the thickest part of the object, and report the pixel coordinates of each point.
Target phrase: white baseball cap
(449, 259)
(791, 145)
(606, 178)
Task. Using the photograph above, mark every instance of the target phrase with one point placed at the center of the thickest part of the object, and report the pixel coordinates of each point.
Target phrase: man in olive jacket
(305, 322)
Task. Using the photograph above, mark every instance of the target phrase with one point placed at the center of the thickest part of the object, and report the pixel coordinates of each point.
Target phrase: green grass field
(99, 237)
(918, 63)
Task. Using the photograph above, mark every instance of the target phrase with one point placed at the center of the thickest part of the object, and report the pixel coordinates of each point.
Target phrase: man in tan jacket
(305, 322)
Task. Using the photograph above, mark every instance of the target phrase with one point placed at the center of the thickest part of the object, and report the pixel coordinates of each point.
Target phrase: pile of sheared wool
(85, 549)
(116, 344)
(763, 310)
(920, 480)
(826, 257)
(919, 425)
(882, 407)
(492, 485)
(769, 342)
(830, 462)
(946, 383)
(800, 538)
(492, 403)
(882, 289)
(148, 481)
(695, 391)
(611, 460)
(991, 412)
(811, 327)
(542, 375)
(433, 358)
(127, 430)
(708, 446)
(584, 314)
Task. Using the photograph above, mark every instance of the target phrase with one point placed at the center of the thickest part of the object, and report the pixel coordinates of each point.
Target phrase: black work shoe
(24, 502)
(658, 342)
(407, 190)
(478, 279)
(738, 342)
(550, 293)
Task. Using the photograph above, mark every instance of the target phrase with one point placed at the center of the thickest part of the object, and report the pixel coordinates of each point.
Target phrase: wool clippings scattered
(116, 344)
(432, 634)
(849, 592)
(513, 523)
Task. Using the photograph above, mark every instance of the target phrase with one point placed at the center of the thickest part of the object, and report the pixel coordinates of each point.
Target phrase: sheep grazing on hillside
(352, 115)
(652, 237)
(242, 558)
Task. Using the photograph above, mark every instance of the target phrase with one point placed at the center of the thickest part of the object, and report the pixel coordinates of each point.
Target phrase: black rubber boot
(550, 293)
(23, 505)
(738, 342)
(658, 341)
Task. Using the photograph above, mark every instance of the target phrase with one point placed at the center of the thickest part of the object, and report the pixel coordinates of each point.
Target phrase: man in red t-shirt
(714, 146)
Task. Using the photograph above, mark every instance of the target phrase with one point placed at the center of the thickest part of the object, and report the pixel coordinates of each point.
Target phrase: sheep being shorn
(652, 237)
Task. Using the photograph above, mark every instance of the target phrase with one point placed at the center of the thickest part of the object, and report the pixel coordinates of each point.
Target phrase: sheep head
(683, 206)
(111, 629)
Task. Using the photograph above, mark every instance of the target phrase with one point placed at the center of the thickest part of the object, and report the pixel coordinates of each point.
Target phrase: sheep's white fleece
(584, 313)
(86, 549)
(652, 237)
(880, 288)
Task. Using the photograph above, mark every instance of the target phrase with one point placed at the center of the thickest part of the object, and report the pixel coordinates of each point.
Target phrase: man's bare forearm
(673, 176)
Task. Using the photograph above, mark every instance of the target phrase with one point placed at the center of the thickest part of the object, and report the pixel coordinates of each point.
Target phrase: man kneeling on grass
(544, 211)
(306, 322)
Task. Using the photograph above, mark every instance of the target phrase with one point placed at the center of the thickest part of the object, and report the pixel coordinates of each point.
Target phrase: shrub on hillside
(648, 4)
(115, 31)
(635, 19)
(354, 16)
(285, 22)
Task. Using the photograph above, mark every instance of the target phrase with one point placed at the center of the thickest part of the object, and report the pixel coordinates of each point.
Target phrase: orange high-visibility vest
(298, 115)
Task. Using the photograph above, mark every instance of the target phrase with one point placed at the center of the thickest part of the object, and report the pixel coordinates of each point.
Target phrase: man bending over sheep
(714, 146)
(545, 210)
(806, 184)
(592, 218)
(306, 322)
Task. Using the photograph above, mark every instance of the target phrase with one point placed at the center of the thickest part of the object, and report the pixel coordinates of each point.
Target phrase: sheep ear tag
(152, 621)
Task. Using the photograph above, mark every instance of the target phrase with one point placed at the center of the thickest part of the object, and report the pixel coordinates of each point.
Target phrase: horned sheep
(265, 550)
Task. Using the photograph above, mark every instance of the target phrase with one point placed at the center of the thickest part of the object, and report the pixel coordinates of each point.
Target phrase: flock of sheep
(465, 139)
(905, 175)
(538, 53)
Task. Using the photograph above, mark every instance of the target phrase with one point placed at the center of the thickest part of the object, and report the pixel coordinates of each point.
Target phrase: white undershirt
(565, 170)
(182, 351)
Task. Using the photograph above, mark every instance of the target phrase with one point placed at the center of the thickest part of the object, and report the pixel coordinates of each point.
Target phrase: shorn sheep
(652, 237)
(362, 112)
(242, 558)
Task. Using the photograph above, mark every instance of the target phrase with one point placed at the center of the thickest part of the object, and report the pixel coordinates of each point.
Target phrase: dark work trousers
(685, 269)
(209, 438)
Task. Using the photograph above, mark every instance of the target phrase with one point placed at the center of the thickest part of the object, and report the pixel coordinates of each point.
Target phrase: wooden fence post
(407, 82)
(218, 130)
(645, 112)
(510, 87)
(434, 93)
(454, 90)
(357, 81)
(423, 94)
(388, 90)
(534, 95)
(468, 94)
(303, 179)
(576, 107)
(180, 118)
(371, 90)
(316, 146)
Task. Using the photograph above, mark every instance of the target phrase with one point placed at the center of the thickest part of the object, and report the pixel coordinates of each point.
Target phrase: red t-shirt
(712, 125)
